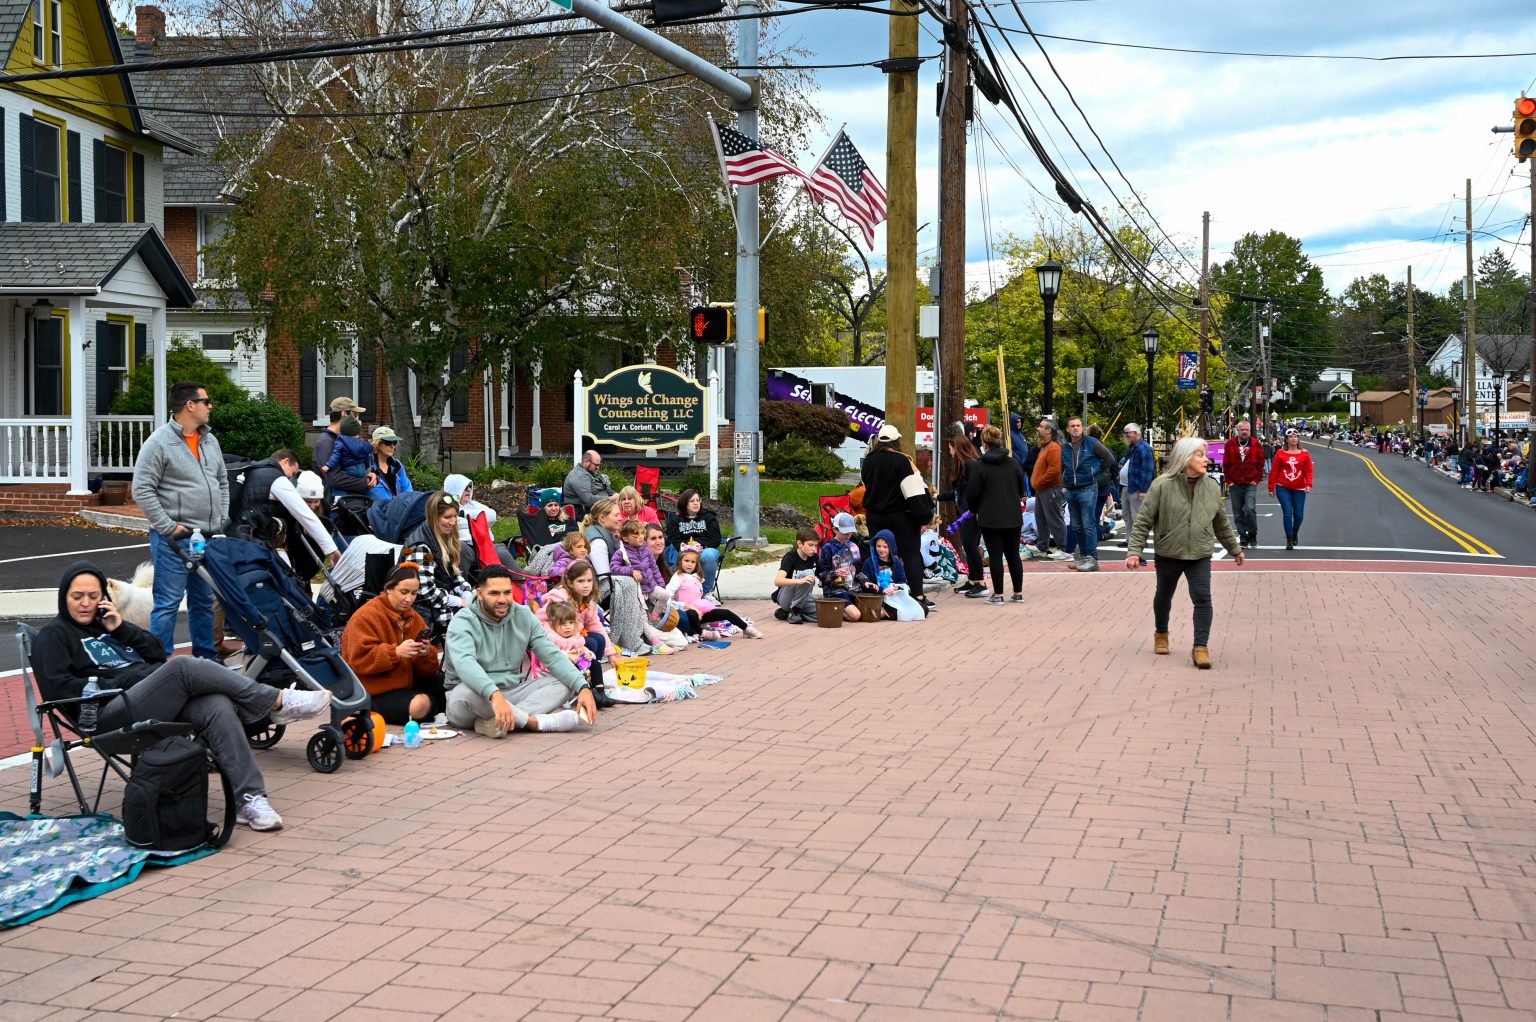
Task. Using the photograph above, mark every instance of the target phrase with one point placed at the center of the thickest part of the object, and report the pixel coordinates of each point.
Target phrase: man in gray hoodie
(490, 687)
(180, 484)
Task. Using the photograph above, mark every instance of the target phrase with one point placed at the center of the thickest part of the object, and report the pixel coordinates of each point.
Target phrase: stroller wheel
(324, 751)
(269, 735)
(357, 737)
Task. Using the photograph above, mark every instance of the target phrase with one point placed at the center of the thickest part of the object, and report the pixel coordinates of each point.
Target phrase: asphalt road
(1401, 511)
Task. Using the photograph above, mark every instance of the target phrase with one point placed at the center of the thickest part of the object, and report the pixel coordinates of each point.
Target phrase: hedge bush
(795, 458)
(549, 472)
(257, 426)
(183, 361)
(820, 425)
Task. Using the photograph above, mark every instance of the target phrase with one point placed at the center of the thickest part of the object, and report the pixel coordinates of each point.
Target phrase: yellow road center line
(1467, 542)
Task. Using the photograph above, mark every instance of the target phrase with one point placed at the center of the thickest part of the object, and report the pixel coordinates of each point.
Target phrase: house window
(112, 189)
(45, 390)
(37, 31)
(119, 355)
(220, 347)
(339, 380)
(56, 32)
(211, 225)
(47, 179)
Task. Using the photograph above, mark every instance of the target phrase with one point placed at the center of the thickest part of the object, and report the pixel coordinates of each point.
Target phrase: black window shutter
(103, 377)
(138, 188)
(308, 403)
(2, 169)
(28, 171)
(458, 402)
(74, 178)
(99, 160)
(367, 386)
(140, 344)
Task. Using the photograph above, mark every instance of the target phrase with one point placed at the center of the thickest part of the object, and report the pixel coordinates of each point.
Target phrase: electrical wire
(1272, 56)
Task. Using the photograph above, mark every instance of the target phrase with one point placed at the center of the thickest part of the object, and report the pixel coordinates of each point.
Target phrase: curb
(113, 520)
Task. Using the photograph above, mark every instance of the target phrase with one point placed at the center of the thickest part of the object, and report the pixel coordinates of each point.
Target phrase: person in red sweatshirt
(1243, 465)
(1290, 480)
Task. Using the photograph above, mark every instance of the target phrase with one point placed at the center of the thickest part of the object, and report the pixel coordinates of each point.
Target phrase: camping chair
(831, 506)
(118, 748)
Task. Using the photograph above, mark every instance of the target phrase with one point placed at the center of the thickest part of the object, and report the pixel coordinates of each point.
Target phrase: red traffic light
(710, 323)
(1525, 106)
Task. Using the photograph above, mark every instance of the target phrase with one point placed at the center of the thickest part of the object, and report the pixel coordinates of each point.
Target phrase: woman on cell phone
(386, 644)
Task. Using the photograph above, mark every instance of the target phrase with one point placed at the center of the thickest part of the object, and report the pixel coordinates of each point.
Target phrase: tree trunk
(431, 399)
(401, 419)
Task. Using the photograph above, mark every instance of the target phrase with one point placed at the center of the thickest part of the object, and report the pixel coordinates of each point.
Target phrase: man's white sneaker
(1059, 555)
(301, 704)
(257, 813)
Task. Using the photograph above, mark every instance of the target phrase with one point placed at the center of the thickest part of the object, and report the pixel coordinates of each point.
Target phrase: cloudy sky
(1365, 161)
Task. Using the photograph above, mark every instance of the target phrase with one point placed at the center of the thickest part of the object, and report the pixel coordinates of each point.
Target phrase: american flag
(844, 179)
(745, 161)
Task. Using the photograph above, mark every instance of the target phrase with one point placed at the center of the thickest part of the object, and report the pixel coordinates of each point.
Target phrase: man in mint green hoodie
(484, 665)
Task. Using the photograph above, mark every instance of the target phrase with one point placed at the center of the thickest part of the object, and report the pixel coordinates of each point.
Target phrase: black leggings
(909, 545)
(395, 705)
(691, 622)
(970, 543)
(1169, 571)
(1003, 544)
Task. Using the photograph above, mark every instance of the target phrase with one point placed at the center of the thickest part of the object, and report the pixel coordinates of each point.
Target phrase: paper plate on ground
(431, 734)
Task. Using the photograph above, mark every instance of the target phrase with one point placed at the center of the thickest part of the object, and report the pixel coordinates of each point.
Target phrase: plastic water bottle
(885, 579)
(199, 544)
(412, 734)
(88, 711)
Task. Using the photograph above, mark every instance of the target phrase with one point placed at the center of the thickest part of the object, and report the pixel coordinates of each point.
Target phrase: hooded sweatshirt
(68, 654)
(491, 656)
(872, 563)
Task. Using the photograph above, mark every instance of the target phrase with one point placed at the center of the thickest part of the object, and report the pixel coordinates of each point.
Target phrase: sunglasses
(449, 500)
(200, 401)
(389, 443)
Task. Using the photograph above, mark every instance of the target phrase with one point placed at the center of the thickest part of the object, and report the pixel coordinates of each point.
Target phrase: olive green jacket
(1186, 520)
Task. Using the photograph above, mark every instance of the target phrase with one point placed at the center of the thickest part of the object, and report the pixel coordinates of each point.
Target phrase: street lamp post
(1049, 274)
(1456, 404)
(1149, 339)
(1498, 399)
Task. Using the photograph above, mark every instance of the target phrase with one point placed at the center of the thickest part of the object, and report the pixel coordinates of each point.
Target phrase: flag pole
(725, 180)
(804, 181)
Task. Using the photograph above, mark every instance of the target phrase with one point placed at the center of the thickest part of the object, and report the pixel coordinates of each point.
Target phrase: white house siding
(14, 105)
(247, 365)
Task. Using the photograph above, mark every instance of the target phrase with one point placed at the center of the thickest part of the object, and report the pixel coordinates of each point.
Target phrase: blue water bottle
(412, 734)
(198, 544)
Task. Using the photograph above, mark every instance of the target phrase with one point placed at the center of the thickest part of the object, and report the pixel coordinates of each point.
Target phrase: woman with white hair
(1183, 510)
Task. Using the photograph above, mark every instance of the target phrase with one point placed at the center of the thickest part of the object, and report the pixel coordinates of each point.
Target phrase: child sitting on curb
(687, 590)
(837, 566)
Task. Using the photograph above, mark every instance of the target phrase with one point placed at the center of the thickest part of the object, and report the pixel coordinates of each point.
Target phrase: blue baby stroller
(284, 634)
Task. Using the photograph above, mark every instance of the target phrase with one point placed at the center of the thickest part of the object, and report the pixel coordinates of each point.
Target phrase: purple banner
(864, 421)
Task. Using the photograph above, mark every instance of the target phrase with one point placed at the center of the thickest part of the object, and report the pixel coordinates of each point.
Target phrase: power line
(1265, 55)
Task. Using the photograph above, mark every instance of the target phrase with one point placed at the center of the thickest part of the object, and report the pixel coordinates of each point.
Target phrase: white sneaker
(301, 704)
(1058, 555)
(257, 813)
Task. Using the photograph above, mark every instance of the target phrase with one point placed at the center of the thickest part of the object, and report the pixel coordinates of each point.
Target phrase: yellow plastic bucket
(631, 672)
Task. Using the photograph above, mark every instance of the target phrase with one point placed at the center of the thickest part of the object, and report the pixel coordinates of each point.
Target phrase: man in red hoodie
(1244, 469)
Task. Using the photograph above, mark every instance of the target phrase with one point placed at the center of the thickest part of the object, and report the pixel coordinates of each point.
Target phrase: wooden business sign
(645, 407)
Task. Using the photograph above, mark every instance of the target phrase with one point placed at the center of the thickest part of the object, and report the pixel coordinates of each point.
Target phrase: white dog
(135, 600)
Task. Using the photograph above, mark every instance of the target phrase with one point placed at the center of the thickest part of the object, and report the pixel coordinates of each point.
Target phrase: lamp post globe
(1048, 275)
(1149, 339)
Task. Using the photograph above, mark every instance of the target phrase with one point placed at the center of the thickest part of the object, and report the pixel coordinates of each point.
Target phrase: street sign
(1085, 381)
(645, 406)
(923, 435)
(566, 4)
(748, 448)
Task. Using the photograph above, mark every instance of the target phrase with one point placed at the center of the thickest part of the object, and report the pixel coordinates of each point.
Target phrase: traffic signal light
(710, 324)
(1525, 127)
(665, 12)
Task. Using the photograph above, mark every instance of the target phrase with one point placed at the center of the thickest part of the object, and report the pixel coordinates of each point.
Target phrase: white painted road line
(75, 553)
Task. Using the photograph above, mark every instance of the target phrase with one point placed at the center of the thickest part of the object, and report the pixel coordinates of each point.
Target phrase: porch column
(507, 382)
(79, 410)
(157, 352)
(536, 440)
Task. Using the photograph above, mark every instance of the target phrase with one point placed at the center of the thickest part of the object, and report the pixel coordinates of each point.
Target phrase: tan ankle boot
(1160, 643)
(1202, 657)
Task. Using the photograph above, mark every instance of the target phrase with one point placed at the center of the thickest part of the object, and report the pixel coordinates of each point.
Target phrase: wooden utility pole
(901, 227)
(1205, 313)
(951, 297)
(1469, 342)
(1416, 412)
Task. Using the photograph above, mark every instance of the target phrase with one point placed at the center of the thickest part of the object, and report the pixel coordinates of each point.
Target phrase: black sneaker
(795, 618)
(781, 614)
(1017, 598)
(976, 591)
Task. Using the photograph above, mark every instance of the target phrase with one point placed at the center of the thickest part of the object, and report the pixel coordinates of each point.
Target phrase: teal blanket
(48, 862)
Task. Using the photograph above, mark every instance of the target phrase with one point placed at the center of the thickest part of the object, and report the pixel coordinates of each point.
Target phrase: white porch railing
(34, 450)
(115, 440)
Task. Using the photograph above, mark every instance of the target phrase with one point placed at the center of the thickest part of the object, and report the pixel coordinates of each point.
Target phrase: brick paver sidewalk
(1011, 812)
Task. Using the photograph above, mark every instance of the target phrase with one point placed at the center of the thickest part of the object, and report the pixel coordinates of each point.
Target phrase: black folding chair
(118, 748)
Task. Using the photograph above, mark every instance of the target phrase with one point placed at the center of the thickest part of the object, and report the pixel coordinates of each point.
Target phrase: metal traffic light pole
(742, 91)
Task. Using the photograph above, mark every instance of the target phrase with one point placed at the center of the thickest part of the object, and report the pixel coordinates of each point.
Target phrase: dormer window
(38, 35)
(56, 33)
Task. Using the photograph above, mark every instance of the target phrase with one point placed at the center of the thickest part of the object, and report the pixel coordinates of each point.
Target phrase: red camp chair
(648, 482)
(830, 506)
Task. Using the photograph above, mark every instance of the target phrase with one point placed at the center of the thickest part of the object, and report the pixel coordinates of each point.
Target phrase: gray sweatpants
(1050, 523)
(801, 598)
(219, 701)
(544, 694)
(1132, 507)
(1245, 517)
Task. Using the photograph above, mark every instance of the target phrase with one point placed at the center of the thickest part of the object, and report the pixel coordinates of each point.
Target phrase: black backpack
(165, 803)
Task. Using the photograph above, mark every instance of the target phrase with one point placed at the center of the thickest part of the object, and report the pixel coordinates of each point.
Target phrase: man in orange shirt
(1050, 496)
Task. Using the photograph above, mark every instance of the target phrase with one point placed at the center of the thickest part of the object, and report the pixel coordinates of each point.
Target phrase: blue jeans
(1293, 505)
(1085, 520)
(709, 564)
(172, 582)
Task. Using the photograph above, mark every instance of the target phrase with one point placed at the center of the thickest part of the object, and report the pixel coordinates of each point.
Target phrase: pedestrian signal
(710, 324)
(1525, 127)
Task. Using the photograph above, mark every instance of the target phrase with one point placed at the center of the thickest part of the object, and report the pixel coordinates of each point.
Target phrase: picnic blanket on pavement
(48, 862)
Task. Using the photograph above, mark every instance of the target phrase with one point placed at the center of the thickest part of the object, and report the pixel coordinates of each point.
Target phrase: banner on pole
(1189, 370)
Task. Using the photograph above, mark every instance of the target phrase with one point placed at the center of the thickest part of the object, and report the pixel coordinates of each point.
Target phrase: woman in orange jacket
(385, 643)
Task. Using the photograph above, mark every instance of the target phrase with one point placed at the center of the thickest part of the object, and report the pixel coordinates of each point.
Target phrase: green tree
(1273, 266)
